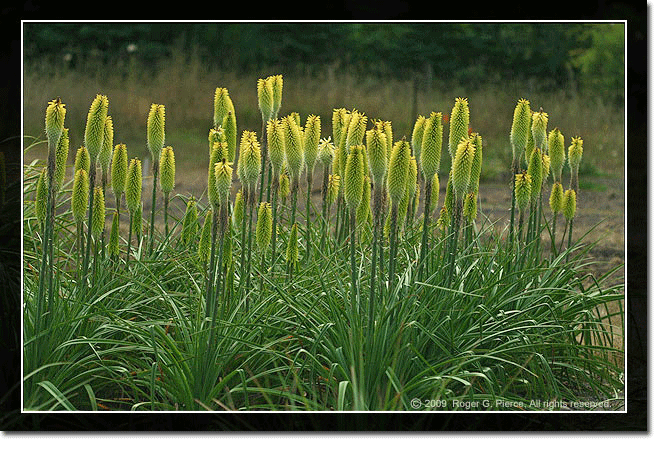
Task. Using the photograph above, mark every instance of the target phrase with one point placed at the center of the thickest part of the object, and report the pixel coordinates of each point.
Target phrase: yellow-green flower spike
(340, 117)
(475, 174)
(311, 136)
(156, 133)
(569, 206)
(133, 185)
(119, 169)
(458, 125)
(239, 209)
(412, 178)
(252, 161)
(205, 239)
(276, 144)
(398, 170)
(190, 222)
(219, 152)
(94, 132)
(293, 147)
(356, 129)
(545, 166)
(449, 197)
(417, 135)
(41, 193)
(377, 149)
(575, 153)
(223, 174)
(470, 206)
(82, 160)
(114, 247)
(230, 129)
(215, 134)
(386, 127)
(326, 151)
(556, 153)
(284, 188)
(535, 171)
(61, 154)
(444, 219)
(523, 190)
(265, 97)
(167, 169)
(333, 188)
(98, 212)
(431, 145)
(556, 199)
(461, 170)
(104, 156)
(291, 255)
(539, 125)
(520, 127)
(137, 219)
(353, 179)
(219, 107)
(54, 121)
(80, 195)
(264, 227)
(278, 83)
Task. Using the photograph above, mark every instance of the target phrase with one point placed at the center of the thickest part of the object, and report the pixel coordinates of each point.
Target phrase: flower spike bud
(386, 127)
(239, 209)
(265, 97)
(215, 134)
(205, 238)
(569, 207)
(556, 153)
(458, 124)
(278, 82)
(470, 206)
(80, 195)
(284, 188)
(156, 134)
(461, 170)
(94, 132)
(54, 121)
(293, 147)
(520, 128)
(326, 151)
(333, 188)
(523, 190)
(311, 136)
(98, 212)
(475, 173)
(377, 148)
(252, 161)
(223, 174)
(119, 169)
(354, 175)
(224, 115)
(41, 193)
(82, 160)
(133, 185)
(104, 156)
(114, 247)
(167, 170)
(539, 125)
(219, 152)
(338, 122)
(535, 171)
(556, 199)
(431, 150)
(62, 151)
(190, 222)
(356, 129)
(575, 152)
(264, 227)
(363, 210)
(398, 171)
(276, 144)
(434, 193)
(417, 135)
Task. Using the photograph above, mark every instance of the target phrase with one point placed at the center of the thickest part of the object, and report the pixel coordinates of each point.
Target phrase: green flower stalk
(119, 172)
(575, 156)
(398, 172)
(556, 153)
(167, 172)
(458, 125)
(41, 196)
(539, 125)
(434, 193)
(295, 157)
(311, 137)
(291, 254)
(556, 202)
(114, 238)
(155, 141)
(461, 170)
(205, 239)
